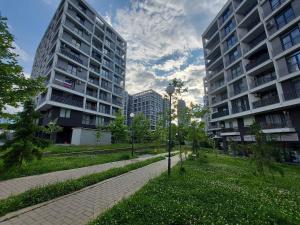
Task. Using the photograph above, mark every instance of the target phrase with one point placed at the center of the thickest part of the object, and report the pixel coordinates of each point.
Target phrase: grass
(217, 189)
(39, 195)
(50, 164)
(56, 149)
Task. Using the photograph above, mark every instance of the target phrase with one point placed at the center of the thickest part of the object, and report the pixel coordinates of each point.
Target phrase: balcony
(291, 94)
(91, 92)
(67, 99)
(257, 61)
(68, 83)
(282, 124)
(265, 102)
(220, 114)
(71, 55)
(238, 109)
(232, 131)
(254, 42)
(258, 81)
(91, 106)
(104, 96)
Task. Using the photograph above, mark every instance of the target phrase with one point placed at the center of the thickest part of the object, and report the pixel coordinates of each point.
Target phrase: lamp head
(170, 89)
(131, 115)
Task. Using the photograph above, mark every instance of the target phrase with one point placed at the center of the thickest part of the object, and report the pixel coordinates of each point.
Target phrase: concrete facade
(150, 103)
(83, 60)
(252, 57)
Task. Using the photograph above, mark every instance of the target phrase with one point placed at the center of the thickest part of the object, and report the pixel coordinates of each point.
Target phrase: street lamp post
(170, 90)
(132, 139)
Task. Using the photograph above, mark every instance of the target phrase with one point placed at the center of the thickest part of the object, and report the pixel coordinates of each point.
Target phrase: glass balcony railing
(265, 102)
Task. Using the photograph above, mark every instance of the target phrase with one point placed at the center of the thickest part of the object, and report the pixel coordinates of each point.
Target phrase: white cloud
(22, 54)
(51, 2)
(156, 29)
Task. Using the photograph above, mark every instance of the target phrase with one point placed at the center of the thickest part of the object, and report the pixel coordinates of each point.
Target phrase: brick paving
(83, 206)
(19, 185)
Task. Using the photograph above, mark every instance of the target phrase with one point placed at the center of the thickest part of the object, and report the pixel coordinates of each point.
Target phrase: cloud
(22, 54)
(51, 2)
(164, 42)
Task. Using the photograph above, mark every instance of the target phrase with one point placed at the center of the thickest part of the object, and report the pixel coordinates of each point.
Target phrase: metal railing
(220, 114)
(265, 101)
(259, 60)
(71, 55)
(291, 94)
(66, 100)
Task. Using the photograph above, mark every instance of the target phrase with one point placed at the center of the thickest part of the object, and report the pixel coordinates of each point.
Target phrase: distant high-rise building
(252, 56)
(83, 60)
(182, 112)
(150, 103)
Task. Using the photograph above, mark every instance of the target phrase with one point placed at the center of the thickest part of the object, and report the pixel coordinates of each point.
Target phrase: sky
(163, 37)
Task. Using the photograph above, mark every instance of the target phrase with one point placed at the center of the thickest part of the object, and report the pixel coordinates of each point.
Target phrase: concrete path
(85, 205)
(20, 185)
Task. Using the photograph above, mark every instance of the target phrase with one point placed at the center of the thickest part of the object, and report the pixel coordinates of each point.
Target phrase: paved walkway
(83, 206)
(20, 185)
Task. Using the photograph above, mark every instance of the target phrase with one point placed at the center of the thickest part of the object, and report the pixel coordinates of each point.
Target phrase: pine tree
(25, 145)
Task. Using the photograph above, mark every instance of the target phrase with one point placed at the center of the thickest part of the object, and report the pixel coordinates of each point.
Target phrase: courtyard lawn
(56, 149)
(216, 189)
(50, 164)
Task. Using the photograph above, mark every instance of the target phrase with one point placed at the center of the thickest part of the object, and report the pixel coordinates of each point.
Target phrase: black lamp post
(132, 138)
(170, 90)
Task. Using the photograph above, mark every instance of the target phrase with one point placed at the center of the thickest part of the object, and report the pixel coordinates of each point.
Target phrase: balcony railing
(69, 54)
(91, 107)
(266, 101)
(220, 114)
(259, 60)
(230, 129)
(238, 109)
(66, 100)
(282, 124)
(263, 80)
(291, 94)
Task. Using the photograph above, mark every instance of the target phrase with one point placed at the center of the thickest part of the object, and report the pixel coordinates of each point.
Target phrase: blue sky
(164, 37)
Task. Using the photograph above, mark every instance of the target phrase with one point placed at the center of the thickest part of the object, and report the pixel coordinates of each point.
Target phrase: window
(72, 69)
(76, 43)
(236, 71)
(234, 55)
(226, 14)
(229, 27)
(78, 31)
(88, 120)
(65, 113)
(291, 38)
(275, 3)
(231, 41)
(79, 18)
(284, 17)
(293, 62)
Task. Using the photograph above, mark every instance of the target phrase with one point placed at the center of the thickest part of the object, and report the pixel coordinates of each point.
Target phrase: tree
(196, 135)
(25, 145)
(264, 153)
(52, 128)
(118, 128)
(14, 87)
(141, 128)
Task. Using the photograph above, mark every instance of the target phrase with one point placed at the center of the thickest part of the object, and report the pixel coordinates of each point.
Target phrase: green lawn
(214, 190)
(73, 148)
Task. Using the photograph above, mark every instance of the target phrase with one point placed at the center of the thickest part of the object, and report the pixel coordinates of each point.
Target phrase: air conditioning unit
(270, 24)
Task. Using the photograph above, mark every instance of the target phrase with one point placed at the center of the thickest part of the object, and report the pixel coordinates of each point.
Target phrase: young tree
(118, 128)
(141, 128)
(52, 128)
(264, 152)
(25, 145)
(14, 87)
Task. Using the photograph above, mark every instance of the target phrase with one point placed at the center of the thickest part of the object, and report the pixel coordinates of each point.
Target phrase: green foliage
(141, 128)
(118, 128)
(264, 152)
(26, 145)
(52, 128)
(196, 135)
(42, 194)
(220, 191)
(14, 87)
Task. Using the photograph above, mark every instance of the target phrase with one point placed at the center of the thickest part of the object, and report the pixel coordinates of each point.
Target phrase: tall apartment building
(83, 60)
(150, 103)
(252, 56)
(182, 112)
